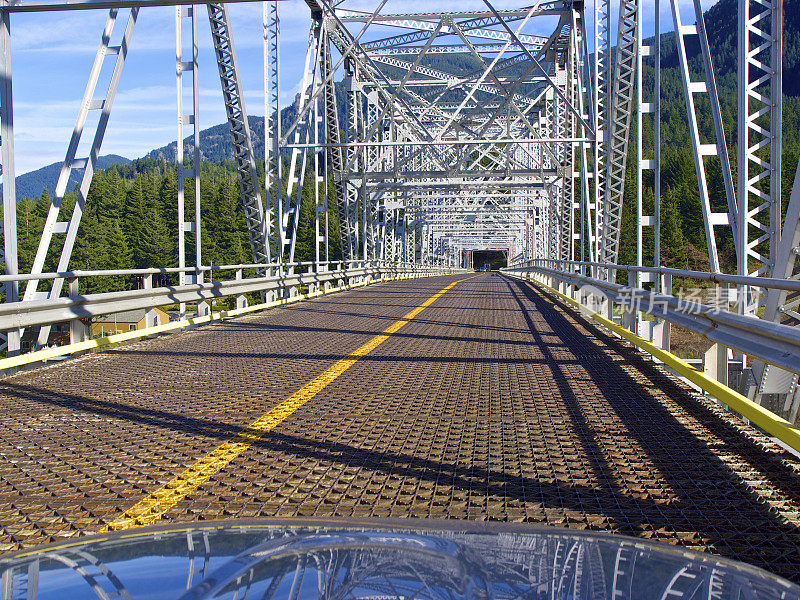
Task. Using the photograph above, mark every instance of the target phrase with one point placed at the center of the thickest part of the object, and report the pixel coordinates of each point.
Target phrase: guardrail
(750, 336)
(279, 285)
(771, 342)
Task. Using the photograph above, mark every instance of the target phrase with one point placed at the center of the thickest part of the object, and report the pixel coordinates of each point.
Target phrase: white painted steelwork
(439, 133)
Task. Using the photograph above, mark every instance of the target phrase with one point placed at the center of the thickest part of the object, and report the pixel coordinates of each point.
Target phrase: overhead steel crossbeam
(422, 135)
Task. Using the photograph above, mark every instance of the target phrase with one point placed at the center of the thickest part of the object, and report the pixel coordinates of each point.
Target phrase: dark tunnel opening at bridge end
(493, 260)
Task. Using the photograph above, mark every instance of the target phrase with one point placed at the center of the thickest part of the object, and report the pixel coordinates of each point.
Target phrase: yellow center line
(152, 508)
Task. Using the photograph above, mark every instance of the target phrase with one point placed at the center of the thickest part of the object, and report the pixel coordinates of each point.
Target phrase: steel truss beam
(241, 139)
(648, 223)
(192, 118)
(9, 225)
(87, 164)
(273, 175)
(759, 134)
(621, 105)
(413, 129)
(765, 246)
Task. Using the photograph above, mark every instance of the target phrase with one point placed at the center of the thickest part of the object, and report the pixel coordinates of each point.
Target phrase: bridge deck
(492, 403)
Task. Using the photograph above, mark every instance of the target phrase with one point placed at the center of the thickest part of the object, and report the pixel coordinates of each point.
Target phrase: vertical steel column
(181, 67)
(759, 138)
(601, 96)
(334, 157)
(371, 159)
(760, 92)
(9, 224)
(362, 213)
(621, 100)
(657, 147)
(349, 226)
(320, 176)
(561, 121)
(584, 234)
(273, 165)
(290, 207)
(652, 107)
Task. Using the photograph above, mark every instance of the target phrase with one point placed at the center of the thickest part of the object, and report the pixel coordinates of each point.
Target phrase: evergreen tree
(91, 252)
(133, 217)
(306, 229)
(230, 224)
(152, 250)
(673, 245)
(42, 206)
(119, 251)
(168, 200)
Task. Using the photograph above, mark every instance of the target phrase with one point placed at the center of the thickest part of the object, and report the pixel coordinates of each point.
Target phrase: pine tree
(91, 252)
(42, 206)
(133, 217)
(230, 223)
(152, 249)
(673, 244)
(168, 200)
(119, 255)
(120, 252)
(306, 230)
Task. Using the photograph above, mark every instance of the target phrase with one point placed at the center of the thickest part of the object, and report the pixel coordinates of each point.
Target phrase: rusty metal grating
(493, 403)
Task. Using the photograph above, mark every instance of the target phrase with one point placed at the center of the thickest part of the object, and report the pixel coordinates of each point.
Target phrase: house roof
(126, 316)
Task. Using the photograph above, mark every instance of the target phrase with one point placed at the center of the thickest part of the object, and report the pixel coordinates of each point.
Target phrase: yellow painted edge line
(768, 421)
(111, 341)
(150, 509)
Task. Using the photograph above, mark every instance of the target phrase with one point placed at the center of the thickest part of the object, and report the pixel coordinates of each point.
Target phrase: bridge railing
(772, 342)
(274, 284)
(707, 311)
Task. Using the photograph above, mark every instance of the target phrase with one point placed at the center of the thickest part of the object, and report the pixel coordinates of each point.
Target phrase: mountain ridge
(33, 183)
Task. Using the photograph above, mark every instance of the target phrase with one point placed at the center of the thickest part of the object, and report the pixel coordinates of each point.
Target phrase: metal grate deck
(492, 403)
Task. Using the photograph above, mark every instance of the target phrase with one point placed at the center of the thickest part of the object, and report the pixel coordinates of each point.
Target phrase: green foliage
(130, 220)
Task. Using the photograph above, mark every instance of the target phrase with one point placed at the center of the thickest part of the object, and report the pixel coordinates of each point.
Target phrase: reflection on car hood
(352, 559)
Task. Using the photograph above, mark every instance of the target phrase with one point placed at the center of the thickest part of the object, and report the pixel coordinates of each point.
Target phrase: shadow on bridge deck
(493, 403)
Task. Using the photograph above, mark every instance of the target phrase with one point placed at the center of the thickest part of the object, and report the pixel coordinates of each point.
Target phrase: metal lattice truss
(621, 104)
(437, 133)
(452, 131)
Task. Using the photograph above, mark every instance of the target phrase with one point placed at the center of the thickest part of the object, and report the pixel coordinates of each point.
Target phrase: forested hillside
(31, 184)
(131, 221)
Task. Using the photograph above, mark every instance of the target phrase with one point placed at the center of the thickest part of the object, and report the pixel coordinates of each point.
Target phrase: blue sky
(53, 52)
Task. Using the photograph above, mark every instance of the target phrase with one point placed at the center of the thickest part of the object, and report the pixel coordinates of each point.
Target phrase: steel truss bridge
(434, 135)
